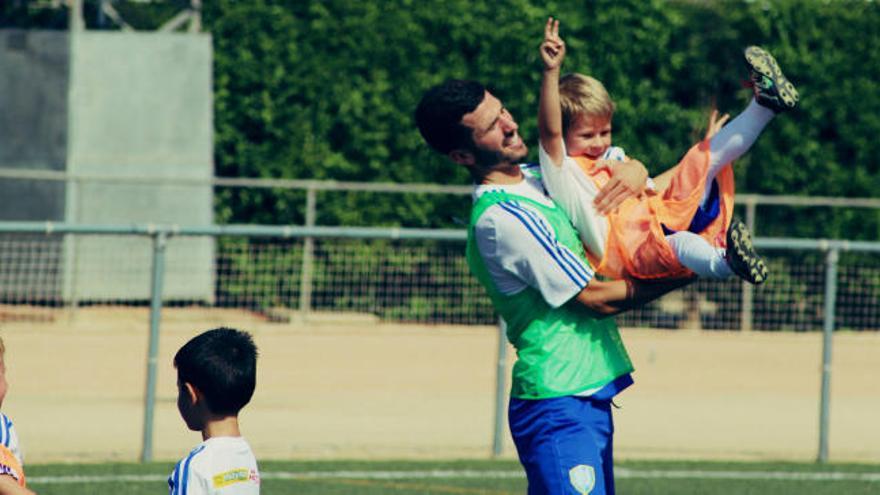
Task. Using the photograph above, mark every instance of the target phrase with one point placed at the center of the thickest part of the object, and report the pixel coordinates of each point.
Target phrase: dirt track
(350, 389)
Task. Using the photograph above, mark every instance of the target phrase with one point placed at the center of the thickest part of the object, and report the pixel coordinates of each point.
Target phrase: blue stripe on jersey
(174, 479)
(573, 267)
(580, 273)
(565, 254)
(8, 430)
(180, 478)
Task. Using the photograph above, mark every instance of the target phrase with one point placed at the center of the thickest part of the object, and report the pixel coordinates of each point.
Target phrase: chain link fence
(390, 275)
(411, 280)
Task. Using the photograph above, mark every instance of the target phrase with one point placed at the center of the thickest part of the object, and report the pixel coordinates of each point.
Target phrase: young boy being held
(12, 481)
(670, 232)
(216, 376)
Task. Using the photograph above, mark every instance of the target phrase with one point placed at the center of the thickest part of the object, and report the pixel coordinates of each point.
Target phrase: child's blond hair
(581, 95)
(2, 348)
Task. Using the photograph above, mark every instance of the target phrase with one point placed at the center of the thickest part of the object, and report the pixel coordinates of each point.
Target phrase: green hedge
(325, 89)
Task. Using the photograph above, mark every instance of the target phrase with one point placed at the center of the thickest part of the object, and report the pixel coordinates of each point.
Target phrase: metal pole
(71, 249)
(827, 331)
(747, 314)
(305, 281)
(500, 389)
(159, 242)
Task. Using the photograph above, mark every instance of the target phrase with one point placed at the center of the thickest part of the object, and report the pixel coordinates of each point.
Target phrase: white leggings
(731, 142)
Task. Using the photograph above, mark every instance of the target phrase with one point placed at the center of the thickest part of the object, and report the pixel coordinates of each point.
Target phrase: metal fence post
(305, 281)
(71, 251)
(160, 240)
(827, 331)
(500, 389)
(748, 292)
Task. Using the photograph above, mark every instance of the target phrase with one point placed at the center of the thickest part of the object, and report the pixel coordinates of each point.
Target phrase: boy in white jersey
(216, 376)
(12, 481)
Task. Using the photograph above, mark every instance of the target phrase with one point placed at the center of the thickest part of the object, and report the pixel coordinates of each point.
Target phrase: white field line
(620, 473)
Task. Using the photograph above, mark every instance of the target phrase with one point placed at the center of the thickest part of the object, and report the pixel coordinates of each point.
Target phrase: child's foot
(741, 255)
(772, 89)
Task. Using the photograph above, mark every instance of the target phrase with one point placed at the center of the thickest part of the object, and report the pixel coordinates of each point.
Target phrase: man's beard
(487, 160)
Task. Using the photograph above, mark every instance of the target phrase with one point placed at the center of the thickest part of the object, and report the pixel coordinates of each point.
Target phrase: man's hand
(553, 48)
(627, 181)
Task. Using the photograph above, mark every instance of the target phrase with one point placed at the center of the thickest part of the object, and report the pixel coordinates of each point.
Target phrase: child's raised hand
(553, 48)
(715, 123)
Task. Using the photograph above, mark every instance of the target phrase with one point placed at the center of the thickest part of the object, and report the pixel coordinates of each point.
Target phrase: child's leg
(774, 93)
(708, 261)
(735, 139)
(696, 254)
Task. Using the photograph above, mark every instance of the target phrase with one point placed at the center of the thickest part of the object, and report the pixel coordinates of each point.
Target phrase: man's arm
(549, 108)
(616, 296)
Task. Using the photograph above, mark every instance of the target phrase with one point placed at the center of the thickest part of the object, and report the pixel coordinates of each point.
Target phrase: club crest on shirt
(582, 478)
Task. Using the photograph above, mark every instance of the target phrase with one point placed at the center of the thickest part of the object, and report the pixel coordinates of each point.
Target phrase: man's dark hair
(439, 114)
(222, 364)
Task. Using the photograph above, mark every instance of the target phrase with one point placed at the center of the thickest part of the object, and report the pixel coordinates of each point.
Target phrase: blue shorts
(564, 444)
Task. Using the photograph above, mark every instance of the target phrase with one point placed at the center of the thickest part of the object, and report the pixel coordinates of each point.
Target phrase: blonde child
(685, 225)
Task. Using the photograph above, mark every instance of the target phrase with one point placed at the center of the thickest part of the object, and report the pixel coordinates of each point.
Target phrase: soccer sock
(735, 138)
(698, 255)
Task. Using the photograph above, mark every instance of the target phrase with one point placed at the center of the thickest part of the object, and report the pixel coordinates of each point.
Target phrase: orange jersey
(9, 465)
(636, 246)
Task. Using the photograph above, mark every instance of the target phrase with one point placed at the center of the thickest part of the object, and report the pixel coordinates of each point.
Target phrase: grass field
(472, 477)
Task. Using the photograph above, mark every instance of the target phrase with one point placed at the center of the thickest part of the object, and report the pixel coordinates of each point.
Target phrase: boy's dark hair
(439, 114)
(222, 364)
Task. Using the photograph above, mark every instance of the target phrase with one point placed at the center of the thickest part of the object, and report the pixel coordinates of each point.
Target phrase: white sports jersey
(574, 191)
(9, 439)
(217, 466)
(520, 248)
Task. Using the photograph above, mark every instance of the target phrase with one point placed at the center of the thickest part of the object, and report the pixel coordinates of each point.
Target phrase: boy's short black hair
(439, 114)
(222, 364)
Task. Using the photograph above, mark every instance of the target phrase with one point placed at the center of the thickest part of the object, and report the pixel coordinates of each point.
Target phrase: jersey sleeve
(521, 250)
(187, 478)
(574, 191)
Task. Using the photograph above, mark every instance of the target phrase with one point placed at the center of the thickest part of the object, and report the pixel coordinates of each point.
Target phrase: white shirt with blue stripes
(520, 248)
(217, 466)
(9, 439)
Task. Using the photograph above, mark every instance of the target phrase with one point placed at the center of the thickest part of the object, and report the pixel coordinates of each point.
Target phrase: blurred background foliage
(325, 89)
